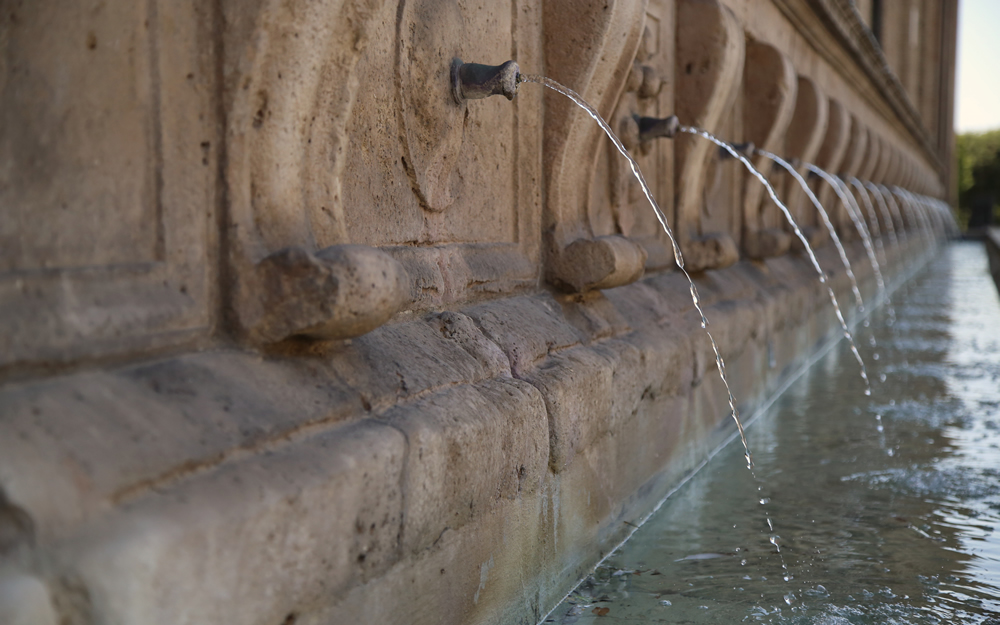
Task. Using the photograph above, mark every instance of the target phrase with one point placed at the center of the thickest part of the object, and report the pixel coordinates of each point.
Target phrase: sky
(977, 92)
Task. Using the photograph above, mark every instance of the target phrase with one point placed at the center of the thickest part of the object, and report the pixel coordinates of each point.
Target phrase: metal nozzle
(653, 127)
(473, 81)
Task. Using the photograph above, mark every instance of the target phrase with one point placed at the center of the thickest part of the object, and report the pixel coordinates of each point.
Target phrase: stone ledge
(465, 467)
(992, 240)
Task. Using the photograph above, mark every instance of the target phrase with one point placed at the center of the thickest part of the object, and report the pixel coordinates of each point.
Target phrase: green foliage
(978, 156)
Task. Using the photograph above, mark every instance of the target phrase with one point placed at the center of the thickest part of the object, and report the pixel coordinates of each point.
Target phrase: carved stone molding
(599, 72)
(802, 142)
(831, 155)
(337, 293)
(854, 157)
(837, 33)
(708, 72)
(769, 88)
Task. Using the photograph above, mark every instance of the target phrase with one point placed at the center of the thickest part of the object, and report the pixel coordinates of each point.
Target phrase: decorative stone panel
(108, 155)
(342, 131)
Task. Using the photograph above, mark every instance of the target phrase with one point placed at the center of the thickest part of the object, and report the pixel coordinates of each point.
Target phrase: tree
(978, 178)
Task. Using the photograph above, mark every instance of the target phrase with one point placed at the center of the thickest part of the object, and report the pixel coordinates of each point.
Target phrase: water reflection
(897, 526)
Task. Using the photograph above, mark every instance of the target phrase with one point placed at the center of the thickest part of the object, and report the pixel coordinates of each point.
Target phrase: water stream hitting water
(892, 521)
(610, 584)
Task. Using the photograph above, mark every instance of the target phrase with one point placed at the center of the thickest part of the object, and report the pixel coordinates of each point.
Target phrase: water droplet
(764, 500)
(867, 323)
(789, 598)
(875, 356)
(890, 452)
(665, 602)
(881, 377)
(868, 392)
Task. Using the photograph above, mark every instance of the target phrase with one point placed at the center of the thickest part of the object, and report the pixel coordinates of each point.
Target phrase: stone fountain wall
(289, 336)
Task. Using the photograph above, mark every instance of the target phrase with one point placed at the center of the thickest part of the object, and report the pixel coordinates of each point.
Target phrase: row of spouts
(933, 217)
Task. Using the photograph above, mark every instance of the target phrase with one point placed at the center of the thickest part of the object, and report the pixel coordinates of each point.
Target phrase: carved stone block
(340, 292)
(600, 263)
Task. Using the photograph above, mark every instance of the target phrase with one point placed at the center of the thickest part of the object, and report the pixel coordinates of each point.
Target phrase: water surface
(886, 508)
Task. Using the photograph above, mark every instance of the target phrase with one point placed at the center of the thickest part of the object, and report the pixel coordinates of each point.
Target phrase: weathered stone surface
(401, 361)
(709, 61)
(599, 71)
(273, 533)
(526, 328)
(108, 157)
(767, 243)
(25, 600)
(469, 449)
(712, 251)
(601, 263)
(588, 391)
(802, 142)
(275, 341)
(338, 293)
(100, 439)
(769, 85)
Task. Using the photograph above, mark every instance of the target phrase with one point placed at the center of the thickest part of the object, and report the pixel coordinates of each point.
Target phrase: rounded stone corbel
(766, 243)
(598, 263)
(339, 292)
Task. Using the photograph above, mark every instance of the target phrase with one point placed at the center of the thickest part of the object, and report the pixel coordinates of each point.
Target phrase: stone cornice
(836, 31)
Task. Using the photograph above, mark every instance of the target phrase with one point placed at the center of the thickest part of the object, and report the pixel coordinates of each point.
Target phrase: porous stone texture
(290, 335)
(461, 467)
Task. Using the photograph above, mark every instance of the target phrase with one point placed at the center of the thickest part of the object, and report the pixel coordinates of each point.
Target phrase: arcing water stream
(900, 529)
(662, 218)
(790, 599)
(802, 238)
(884, 208)
(876, 232)
(849, 206)
(826, 221)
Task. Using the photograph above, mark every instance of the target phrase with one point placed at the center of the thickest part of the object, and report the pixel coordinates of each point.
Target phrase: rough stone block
(81, 443)
(590, 391)
(253, 542)
(474, 575)
(601, 263)
(340, 292)
(525, 328)
(470, 448)
(25, 600)
(407, 359)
